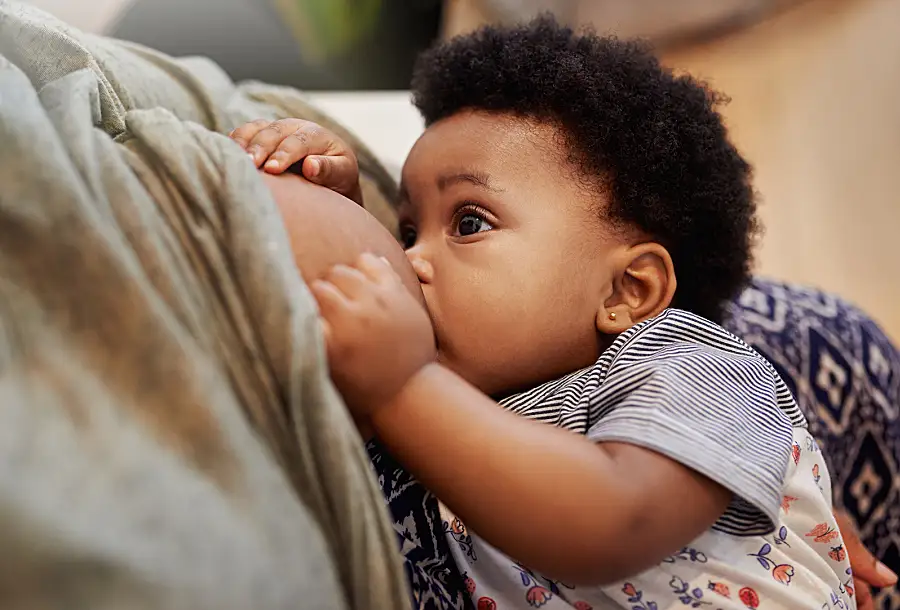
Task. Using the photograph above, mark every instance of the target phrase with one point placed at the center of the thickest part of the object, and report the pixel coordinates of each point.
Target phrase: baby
(577, 218)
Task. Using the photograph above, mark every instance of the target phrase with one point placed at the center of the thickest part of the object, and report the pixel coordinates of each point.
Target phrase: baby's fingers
(266, 140)
(306, 139)
(246, 132)
(339, 173)
(331, 301)
(378, 269)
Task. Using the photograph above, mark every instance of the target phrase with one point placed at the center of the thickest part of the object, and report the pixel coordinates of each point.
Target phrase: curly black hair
(653, 139)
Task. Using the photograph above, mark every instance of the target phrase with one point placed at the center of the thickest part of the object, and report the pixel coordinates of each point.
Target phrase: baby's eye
(408, 236)
(471, 223)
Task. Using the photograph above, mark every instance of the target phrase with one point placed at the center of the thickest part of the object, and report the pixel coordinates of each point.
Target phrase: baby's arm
(577, 511)
(559, 503)
(324, 158)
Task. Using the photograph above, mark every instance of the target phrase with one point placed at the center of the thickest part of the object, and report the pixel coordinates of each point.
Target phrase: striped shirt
(686, 388)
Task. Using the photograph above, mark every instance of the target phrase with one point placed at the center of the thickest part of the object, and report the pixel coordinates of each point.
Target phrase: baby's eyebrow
(479, 179)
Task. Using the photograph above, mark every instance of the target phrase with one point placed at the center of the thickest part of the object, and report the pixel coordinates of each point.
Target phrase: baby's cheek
(494, 364)
(466, 355)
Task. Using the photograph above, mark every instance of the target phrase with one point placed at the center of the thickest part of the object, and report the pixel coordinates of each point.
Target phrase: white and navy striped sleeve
(686, 388)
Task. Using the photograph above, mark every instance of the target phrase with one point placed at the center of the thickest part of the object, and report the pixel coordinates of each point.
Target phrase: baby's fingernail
(385, 260)
(885, 572)
(272, 164)
(314, 167)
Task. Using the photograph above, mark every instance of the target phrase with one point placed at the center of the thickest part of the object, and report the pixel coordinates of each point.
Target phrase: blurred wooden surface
(664, 21)
(461, 16)
(816, 108)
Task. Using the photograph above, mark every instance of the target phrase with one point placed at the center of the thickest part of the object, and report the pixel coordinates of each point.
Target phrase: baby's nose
(422, 267)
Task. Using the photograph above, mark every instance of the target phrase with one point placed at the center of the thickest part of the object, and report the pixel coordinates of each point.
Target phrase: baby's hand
(326, 159)
(378, 336)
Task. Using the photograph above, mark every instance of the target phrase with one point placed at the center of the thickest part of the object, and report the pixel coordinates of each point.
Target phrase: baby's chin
(445, 360)
(466, 373)
(441, 358)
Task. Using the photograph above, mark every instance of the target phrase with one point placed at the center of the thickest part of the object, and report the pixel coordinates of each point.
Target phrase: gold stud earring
(612, 316)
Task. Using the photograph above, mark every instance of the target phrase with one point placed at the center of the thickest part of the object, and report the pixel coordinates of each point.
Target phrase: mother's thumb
(885, 577)
(865, 566)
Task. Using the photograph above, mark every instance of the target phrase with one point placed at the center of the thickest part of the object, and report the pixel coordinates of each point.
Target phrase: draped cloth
(170, 438)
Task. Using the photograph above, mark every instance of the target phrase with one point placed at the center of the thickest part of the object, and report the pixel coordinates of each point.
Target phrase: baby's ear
(643, 286)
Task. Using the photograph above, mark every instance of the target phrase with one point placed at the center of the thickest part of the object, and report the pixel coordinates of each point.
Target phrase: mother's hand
(868, 572)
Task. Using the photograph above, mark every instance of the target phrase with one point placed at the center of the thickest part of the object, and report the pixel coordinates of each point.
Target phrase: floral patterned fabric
(801, 564)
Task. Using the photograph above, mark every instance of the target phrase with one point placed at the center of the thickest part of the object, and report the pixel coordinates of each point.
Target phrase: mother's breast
(327, 229)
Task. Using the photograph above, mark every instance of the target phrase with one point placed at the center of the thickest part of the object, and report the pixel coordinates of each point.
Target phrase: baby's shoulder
(678, 341)
(674, 328)
(681, 354)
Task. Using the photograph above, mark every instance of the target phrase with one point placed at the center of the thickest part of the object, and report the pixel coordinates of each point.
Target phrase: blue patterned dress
(844, 373)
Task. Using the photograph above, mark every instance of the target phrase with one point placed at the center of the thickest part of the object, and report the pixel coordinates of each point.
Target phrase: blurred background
(815, 88)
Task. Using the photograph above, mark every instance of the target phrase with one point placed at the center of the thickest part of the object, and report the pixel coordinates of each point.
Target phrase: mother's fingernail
(885, 572)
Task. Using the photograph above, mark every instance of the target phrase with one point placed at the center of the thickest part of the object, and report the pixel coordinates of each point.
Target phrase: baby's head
(561, 185)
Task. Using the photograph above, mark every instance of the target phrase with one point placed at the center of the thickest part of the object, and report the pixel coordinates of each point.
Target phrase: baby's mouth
(437, 347)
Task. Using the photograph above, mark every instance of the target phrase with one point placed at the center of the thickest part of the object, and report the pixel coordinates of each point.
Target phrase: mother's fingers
(867, 570)
(863, 594)
(865, 565)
